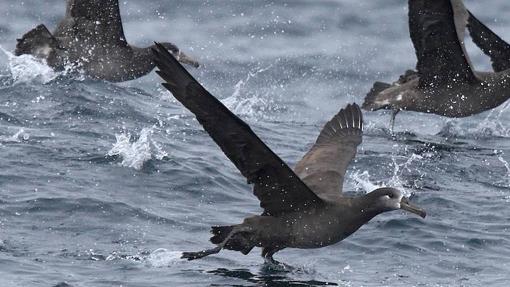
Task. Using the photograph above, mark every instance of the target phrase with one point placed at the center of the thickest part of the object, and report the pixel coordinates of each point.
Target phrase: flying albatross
(445, 83)
(304, 208)
(91, 38)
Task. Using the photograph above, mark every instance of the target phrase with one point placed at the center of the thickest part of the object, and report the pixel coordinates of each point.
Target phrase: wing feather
(436, 28)
(490, 43)
(323, 167)
(96, 19)
(277, 187)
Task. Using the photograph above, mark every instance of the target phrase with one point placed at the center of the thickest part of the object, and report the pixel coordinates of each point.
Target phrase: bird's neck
(365, 207)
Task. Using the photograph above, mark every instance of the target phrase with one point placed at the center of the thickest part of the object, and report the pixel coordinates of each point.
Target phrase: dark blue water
(105, 184)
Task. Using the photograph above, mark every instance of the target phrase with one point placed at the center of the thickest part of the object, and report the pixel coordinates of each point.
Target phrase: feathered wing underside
(323, 167)
(490, 43)
(96, 19)
(277, 187)
(437, 32)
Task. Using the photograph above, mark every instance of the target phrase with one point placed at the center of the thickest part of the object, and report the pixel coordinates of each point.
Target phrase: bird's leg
(207, 252)
(273, 265)
(392, 120)
(270, 260)
(268, 253)
(200, 254)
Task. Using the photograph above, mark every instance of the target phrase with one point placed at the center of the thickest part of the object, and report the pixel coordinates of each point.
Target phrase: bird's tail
(36, 41)
(371, 101)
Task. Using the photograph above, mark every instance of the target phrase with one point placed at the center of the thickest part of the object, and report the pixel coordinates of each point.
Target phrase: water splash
(362, 178)
(119, 256)
(362, 181)
(346, 269)
(399, 169)
(499, 154)
(28, 69)
(162, 258)
(18, 137)
(249, 104)
(135, 153)
(492, 125)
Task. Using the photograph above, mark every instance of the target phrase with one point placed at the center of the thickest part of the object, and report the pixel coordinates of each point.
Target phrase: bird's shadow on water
(268, 276)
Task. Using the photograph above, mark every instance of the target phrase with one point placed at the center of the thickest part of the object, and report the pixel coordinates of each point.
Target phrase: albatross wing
(323, 167)
(277, 187)
(490, 43)
(96, 19)
(436, 28)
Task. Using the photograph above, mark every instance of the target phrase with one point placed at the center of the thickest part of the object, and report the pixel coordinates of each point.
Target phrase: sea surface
(106, 184)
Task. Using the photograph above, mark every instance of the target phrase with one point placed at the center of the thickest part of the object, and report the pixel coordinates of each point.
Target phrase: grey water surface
(105, 184)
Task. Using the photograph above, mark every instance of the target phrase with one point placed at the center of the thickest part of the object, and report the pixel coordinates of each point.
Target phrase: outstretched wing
(436, 28)
(490, 43)
(277, 187)
(99, 19)
(323, 167)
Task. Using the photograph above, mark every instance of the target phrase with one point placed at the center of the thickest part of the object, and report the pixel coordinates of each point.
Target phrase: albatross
(91, 38)
(302, 208)
(444, 82)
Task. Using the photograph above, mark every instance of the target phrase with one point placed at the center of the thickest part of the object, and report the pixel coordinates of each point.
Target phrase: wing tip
(348, 121)
(353, 116)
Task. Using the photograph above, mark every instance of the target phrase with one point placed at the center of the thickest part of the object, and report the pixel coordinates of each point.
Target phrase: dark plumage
(91, 38)
(445, 83)
(302, 208)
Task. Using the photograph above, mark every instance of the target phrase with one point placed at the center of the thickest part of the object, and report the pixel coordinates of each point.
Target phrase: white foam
(162, 258)
(19, 136)
(135, 153)
(27, 68)
(347, 268)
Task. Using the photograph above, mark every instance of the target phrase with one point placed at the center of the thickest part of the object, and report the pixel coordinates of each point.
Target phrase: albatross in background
(445, 83)
(91, 38)
(302, 208)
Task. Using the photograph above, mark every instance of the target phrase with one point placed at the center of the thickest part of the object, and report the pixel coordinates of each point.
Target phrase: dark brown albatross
(304, 208)
(445, 83)
(91, 37)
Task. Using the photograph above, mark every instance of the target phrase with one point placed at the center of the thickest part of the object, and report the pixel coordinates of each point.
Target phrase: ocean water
(106, 184)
